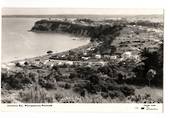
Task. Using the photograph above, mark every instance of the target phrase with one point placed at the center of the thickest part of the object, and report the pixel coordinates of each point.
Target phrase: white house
(69, 62)
(113, 57)
(85, 58)
(98, 56)
(126, 55)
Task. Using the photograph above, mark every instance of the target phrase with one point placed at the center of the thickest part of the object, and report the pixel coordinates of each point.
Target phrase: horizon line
(81, 14)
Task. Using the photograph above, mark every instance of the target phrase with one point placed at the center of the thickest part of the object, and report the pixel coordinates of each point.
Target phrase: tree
(150, 75)
(85, 72)
(49, 52)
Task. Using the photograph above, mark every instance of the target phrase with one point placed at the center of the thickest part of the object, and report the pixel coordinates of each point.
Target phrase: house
(69, 63)
(106, 57)
(60, 63)
(85, 58)
(63, 56)
(126, 55)
(21, 62)
(85, 53)
(113, 57)
(90, 49)
(102, 63)
(98, 56)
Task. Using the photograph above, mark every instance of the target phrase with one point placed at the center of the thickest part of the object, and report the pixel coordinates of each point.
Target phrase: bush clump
(47, 83)
(116, 94)
(35, 94)
(127, 91)
(14, 80)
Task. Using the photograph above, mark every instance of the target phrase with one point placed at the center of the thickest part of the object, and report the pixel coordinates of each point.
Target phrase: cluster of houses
(87, 61)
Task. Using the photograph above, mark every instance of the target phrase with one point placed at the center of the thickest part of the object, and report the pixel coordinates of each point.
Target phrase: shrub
(97, 99)
(16, 80)
(47, 83)
(71, 100)
(18, 64)
(115, 94)
(58, 96)
(67, 86)
(72, 75)
(7, 100)
(93, 79)
(26, 63)
(104, 95)
(144, 99)
(36, 94)
(127, 91)
(49, 52)
(80, 88)
(90, 88)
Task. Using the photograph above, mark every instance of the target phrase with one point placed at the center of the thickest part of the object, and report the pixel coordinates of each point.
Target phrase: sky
(83, 11)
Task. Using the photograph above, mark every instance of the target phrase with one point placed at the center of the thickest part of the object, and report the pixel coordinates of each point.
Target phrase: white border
(86, 107)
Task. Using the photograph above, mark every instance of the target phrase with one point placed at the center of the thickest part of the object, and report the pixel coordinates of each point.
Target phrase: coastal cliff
(78, 28)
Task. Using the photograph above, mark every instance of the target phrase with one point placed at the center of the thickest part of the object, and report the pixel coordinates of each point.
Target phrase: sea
(18, 42)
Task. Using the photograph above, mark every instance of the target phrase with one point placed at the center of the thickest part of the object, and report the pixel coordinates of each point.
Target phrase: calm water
(18, 43)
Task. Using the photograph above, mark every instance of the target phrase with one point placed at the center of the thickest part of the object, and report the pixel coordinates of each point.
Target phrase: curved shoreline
(46, 56)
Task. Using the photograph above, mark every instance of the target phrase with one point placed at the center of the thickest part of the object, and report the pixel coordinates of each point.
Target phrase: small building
(69, 63)
(63, 56)
(85, 58)
(60, 63)
(106, 56)
(98, 56)
(88, 49)
(85, 53)
(113, 57)
(21, 63)
(126, 55)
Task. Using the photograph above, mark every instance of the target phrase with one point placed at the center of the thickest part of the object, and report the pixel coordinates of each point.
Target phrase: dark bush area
(127, 91)
(115, 94)
(22, 79)
(93, 82)
(16, 80)
(47, 83)
(151, 60)
(147, 23)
